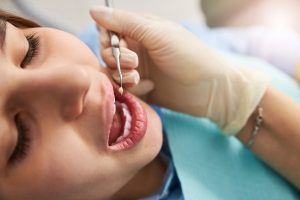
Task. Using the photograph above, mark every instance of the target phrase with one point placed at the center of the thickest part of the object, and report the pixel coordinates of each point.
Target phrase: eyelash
(33, 50)
(23, 141)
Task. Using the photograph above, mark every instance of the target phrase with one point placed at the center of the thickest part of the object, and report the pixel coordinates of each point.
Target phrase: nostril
(72, 109)
(84, 99)
(75, 93)
(75, 104)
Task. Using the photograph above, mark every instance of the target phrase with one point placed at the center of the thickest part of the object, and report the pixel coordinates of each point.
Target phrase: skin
(61, 95)
(281, 134)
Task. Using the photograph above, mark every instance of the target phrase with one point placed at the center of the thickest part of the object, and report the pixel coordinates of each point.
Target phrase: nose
(63, 88)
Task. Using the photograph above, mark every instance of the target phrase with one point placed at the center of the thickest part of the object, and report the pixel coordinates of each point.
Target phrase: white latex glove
(129, 63)
(189, 77)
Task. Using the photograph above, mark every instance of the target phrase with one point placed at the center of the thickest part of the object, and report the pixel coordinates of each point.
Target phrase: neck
(145, 183)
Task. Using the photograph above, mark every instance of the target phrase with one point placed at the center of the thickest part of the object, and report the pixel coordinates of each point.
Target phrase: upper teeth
(114, 108)
(127, 115)
(127, 125)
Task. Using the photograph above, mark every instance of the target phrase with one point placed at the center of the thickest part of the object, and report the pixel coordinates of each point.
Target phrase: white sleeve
(279, 47)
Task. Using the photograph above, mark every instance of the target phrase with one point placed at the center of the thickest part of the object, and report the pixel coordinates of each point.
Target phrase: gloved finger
(103, 37)
(151, 17)
(125, 23)
(130, 77)
(123, 43)
(128, 58)
(143, 88)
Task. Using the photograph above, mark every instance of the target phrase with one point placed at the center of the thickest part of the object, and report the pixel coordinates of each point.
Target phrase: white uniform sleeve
(279, 47)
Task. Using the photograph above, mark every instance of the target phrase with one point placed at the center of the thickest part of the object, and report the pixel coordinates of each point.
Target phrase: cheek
(66, 168)
(76, 168)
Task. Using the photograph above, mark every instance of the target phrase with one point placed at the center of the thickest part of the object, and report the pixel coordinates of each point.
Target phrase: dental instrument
(115, 44)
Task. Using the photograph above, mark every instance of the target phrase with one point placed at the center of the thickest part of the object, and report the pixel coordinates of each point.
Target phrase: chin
(151, 144)
(147, 149)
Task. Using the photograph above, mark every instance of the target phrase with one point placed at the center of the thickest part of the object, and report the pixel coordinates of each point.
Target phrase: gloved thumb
(122, 22)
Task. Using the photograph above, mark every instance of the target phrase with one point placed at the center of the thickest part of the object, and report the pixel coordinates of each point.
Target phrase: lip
(138, 122)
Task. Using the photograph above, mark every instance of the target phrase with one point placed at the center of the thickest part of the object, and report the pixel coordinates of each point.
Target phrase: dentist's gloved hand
(188, 76)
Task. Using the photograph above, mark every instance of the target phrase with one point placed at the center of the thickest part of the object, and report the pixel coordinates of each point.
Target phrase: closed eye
(23, 140)
(33, 49)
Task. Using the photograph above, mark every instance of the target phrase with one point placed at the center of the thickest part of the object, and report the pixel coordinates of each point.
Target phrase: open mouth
(129, 122)
(121, 123)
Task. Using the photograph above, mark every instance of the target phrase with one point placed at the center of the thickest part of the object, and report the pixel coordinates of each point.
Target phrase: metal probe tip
(121, 90)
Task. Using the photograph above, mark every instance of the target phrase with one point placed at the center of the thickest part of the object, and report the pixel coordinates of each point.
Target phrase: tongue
(117, 125)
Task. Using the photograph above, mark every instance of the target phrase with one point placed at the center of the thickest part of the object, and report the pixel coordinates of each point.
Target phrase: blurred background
(73, 15)
(280, 16)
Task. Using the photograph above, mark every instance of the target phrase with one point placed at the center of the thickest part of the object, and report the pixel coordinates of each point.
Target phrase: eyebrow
(3, 25)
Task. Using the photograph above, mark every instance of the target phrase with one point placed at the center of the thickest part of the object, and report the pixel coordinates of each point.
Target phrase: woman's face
(56, 112)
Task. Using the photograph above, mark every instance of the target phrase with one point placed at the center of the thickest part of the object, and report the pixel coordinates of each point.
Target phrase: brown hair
(20, 22)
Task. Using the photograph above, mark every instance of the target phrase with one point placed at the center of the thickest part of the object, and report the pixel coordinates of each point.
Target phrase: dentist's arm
(192, 78)
(278, 140)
